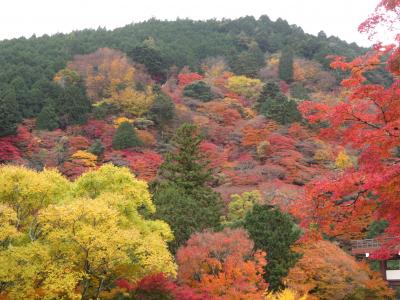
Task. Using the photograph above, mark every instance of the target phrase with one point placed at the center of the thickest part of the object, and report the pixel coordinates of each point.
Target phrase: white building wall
(393, 274)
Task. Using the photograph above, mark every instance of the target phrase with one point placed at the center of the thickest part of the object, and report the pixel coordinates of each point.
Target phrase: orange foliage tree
(327, 272)
(223, 265)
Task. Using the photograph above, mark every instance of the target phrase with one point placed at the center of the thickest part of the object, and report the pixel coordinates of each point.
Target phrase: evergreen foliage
(298, 91)
(286, 65)
(187, 166)
(9, 113)
(183, 198)
(126, 137)
(242, 42)
(47, 118)
(152, 58)
(73, 104)
(97, 148)
(248, 62)
(273, 232)
(199, 90)
(163, 109)
(275, 105)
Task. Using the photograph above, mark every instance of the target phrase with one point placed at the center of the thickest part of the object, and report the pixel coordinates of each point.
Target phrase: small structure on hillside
(390, 268)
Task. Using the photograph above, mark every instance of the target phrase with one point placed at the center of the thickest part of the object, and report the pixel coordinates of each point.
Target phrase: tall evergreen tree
(187, 166)
(286, 65)
(182, 196)
(126, 137)
(47, 118)
(9, 114)
(273, 232)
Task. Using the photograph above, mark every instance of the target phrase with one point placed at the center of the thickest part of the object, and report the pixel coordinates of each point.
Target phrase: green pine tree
(126, 137)
(9, 115)
(187, 167)
(182, 196)
(273, 232)
(286, 65)
(47, 118)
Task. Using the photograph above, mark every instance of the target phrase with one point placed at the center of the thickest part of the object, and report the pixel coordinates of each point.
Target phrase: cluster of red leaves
(8, 152)
(368, 120)
(158, 286)
(386, 14)
(144, 164)
(187, 78)
(216, 155)
(94, 129)
(78, 143)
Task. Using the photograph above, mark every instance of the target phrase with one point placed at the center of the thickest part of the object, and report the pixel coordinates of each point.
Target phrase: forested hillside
(29, 64)
(197, 160)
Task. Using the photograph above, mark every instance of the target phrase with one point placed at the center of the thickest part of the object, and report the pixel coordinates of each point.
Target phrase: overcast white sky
(26, 17)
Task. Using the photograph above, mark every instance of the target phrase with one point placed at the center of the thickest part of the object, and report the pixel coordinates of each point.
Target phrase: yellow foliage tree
(132, 101)
(85, 233)
(343, 161)
(86, 158)
(244, 86)
(286, 294)
(120, 120)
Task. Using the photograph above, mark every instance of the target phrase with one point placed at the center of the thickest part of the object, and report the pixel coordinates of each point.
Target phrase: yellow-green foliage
(133, 101)
(239, 206)
(343, 161)
(68, 240)
(286, 294)
(244, 86)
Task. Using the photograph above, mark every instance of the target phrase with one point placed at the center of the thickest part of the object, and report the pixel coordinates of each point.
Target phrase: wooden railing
(359, 246)
(368, 243)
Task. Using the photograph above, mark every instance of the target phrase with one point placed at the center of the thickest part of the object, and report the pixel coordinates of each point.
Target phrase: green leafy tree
(47, 118)
(182, 196)
(9, 115)
(239, 206)
(199, 90)
(275, 105)
(126, 137)
(273, 232)
(286, 65)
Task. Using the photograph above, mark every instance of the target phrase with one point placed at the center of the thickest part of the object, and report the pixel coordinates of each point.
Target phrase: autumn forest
(236, 159)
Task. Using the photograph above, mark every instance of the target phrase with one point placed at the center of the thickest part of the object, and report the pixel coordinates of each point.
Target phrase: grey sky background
(26, 17)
